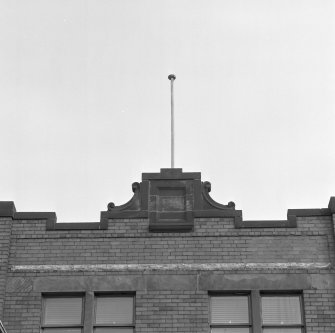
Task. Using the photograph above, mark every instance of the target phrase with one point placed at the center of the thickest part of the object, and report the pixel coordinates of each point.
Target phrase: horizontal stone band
(170, 267)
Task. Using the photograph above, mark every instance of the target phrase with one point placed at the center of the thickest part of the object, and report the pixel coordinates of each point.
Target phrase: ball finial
(171, 77)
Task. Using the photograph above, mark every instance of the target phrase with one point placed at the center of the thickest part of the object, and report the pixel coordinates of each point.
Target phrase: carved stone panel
(171, 205)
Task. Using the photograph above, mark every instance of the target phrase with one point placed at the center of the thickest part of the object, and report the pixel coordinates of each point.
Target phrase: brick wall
(169, 299)
(5, 237)
(31, 244)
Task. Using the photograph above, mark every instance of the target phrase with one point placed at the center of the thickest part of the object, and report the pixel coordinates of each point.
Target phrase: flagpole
(172, 77)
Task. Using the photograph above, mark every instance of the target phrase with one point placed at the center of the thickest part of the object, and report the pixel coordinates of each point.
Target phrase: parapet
(170, 200)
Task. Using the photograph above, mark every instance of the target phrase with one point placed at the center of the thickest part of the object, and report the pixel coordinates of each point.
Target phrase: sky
(85, 101)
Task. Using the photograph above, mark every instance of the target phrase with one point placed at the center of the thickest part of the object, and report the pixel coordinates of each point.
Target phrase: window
(62, 314)
(114, 314)
(257, 312)
(230, 313)
(282, 313)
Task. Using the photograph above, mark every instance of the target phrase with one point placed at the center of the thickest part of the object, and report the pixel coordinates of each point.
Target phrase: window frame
(62, 295)
(255, 308)
(111, 295)
(298, 294)
(235, 325)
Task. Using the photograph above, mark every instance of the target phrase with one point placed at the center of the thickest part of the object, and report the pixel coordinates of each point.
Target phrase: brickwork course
(171, 255)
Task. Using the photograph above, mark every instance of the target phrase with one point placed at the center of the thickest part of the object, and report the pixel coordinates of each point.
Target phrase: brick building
(170, 260)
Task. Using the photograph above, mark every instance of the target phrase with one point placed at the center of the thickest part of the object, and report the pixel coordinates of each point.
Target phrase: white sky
(85, 104)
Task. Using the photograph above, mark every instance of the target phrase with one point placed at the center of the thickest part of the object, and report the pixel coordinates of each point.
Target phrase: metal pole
(172, 77)
(2, 329)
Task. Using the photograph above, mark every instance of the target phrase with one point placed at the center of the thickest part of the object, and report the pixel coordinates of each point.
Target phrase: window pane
(281, 310)
(114, 310)
(229, 310)
(62, 330)
(282, 330)
(62, 310)
(114, 330)
(230, 330)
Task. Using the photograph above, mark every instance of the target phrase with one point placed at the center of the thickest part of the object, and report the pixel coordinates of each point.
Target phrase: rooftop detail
(171, 200)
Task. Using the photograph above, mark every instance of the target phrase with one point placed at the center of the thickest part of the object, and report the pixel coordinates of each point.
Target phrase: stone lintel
(193, 281)
(279, 266)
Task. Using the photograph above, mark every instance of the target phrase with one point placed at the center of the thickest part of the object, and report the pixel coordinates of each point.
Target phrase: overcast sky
(85, 101)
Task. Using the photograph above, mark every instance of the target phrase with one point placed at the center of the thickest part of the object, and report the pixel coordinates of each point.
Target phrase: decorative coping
(331, 205)
(7, 209)
(169, 174)
(189, 190)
